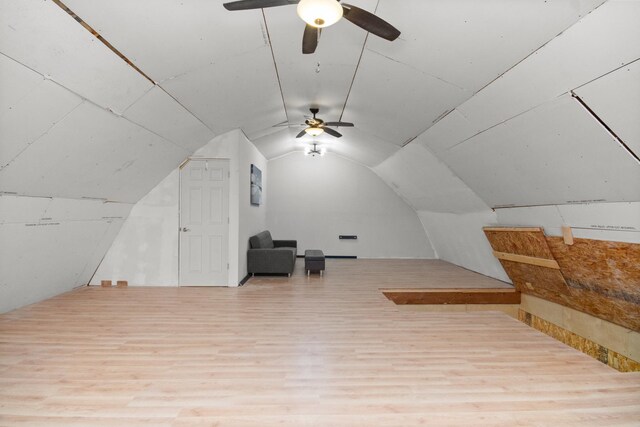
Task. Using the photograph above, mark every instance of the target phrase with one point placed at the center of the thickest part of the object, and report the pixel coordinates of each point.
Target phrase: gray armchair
(269, 256)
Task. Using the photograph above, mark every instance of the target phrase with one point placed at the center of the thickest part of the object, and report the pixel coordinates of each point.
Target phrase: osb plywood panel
(600, 278)
(603, 276)
(528, 242)
(542, 282)
(609, 268)
(535, 280)
(591, 348)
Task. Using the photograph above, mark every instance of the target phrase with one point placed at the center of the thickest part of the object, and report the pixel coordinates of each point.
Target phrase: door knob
(185, 229)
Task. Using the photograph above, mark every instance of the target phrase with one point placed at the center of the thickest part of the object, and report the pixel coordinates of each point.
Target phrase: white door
(204, 223)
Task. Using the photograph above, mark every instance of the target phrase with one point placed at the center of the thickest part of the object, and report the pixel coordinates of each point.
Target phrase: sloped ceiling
(464, 81)
(245, 69)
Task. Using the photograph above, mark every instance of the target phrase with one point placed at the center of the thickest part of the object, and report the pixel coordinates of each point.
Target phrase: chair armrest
(285, 243)
(270, 260)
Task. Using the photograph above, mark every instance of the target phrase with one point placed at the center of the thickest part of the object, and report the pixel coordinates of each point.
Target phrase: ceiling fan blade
(310, 39)
(257, 4)
(301, 134)
(332, 132)
(370, 22)
(343, 124)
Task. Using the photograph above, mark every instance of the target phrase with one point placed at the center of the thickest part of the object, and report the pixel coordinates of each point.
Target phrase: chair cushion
(261, 240)
(313, 255)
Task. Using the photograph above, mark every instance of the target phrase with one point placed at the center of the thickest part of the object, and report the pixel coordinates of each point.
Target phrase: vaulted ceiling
(245, 69)
(465, 79)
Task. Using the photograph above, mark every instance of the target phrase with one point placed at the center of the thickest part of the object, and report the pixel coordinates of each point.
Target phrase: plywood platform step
(453, 296)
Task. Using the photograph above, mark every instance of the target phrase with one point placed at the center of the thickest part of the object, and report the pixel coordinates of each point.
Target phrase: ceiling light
(314, 131)
(319, 13)
(312, 151)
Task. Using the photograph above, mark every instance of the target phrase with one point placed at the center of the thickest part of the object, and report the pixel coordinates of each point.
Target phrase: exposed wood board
(523, 259)
(304, 82)
(603, 277)
(16, 82)
(511, 229)
(239, 92)
(610, 335)
(567, 235)
(32, 116)
(594, 349)
(189, 34)
(397, 102)
(160, 113)
(586, 51)
(529, 242)
(452, 296)
(471, 43)
(615, 98)
(46, 39)
(596, 277)
(523, 171)
(426, 183)
(595, 234)
(56, 255)
(545, 281)
(92, 153)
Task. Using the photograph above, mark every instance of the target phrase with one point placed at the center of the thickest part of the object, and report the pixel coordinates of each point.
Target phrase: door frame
(182, 165)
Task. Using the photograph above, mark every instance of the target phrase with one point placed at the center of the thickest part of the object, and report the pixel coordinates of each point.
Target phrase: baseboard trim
(335, 256)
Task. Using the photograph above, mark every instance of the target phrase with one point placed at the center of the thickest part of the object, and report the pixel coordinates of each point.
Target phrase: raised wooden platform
(453, 296)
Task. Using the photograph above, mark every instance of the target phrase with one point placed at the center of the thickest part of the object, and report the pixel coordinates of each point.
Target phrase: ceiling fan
(315, 151)
(322, 13)
(316, 126)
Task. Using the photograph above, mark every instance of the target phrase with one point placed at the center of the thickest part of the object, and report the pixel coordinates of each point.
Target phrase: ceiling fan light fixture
(314, 131)
(319, 13)
(313, 151)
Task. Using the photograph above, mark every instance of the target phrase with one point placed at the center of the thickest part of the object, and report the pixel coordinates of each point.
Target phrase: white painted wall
(145, 253)
(426, 183)
(52, 245)
(146, 248)
(459, 239)
(251, 219)
(315, 199)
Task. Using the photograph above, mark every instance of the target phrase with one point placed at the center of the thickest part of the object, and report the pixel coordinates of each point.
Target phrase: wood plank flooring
(317, 351)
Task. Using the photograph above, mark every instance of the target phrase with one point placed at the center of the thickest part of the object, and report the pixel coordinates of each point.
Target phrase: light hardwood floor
(330, 351)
